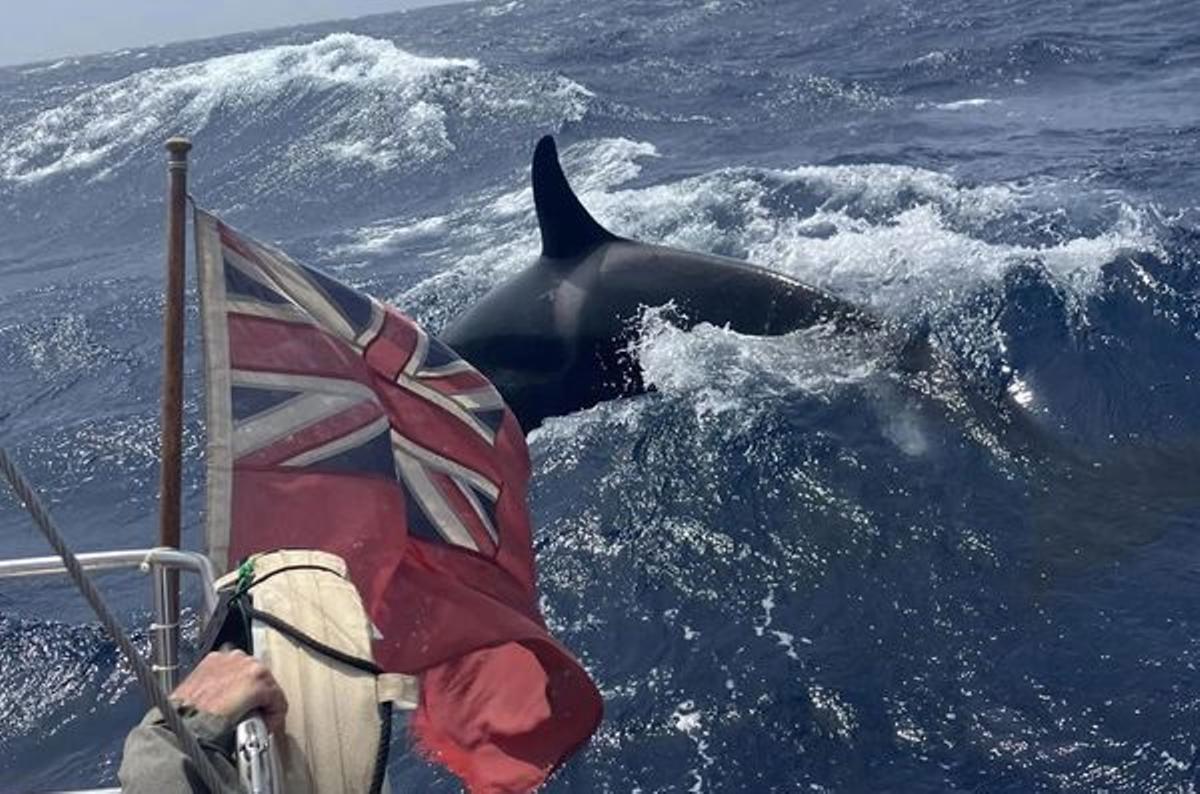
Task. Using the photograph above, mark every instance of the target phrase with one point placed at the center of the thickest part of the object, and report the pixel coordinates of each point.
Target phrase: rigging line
(25, 492)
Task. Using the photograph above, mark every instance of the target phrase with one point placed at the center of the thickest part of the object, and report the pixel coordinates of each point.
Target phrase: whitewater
(789, 567)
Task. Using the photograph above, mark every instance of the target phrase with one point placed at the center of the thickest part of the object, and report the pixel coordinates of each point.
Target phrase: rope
(21, 487)
(288, 630)
(384, 749)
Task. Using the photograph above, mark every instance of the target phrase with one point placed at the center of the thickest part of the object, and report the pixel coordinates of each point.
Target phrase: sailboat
(367, 531)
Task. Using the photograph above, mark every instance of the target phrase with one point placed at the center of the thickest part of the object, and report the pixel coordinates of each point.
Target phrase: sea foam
(896, 238)
(343, 98)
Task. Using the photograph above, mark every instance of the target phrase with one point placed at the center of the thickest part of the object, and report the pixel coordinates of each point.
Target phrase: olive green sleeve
(153, 762)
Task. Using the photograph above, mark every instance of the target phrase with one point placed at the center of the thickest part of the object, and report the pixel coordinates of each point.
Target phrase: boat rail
(163, 565)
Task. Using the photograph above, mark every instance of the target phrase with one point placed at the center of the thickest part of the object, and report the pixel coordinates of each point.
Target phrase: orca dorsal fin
(568, 230)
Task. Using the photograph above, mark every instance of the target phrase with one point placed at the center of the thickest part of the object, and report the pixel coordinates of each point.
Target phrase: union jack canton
(298, 401)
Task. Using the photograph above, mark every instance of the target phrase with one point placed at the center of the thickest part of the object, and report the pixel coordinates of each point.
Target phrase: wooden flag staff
(166, 635)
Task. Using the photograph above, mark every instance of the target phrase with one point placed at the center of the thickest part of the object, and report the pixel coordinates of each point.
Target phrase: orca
(555, 338)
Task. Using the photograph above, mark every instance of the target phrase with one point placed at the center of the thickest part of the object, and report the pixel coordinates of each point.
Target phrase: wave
(55, 667)
(717, 367)
(962, 104)
(902, 240)
(916, 246)
(50, 67)
(345, 98)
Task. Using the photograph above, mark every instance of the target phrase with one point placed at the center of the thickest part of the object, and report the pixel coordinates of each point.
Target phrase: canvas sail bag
(296, 611)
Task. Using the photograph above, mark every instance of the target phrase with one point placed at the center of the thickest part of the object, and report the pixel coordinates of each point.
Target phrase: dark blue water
(790, 568)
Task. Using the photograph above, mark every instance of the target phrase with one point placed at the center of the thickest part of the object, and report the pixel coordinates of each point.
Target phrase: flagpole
(165, 634)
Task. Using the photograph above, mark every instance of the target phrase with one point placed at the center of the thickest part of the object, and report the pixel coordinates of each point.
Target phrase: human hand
(232, 684)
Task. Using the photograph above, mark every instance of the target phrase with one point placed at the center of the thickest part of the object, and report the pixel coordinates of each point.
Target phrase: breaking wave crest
(715, 367)
(893, 237)
(366, 102)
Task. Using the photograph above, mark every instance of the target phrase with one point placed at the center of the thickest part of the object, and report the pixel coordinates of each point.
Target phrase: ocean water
(789, 568)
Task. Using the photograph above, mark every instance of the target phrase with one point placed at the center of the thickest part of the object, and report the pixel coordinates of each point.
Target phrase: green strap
(245, 575)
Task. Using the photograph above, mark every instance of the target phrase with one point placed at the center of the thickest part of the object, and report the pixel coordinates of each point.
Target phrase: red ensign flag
(337, 423)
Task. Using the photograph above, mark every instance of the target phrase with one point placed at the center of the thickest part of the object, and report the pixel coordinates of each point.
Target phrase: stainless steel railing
(159, 563)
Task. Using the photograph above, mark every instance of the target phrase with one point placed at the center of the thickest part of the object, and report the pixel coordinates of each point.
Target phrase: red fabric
(501, 718)
(502, 703)
(262, 344)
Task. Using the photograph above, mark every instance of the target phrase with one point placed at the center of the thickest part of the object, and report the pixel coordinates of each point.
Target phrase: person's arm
(218, 693)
